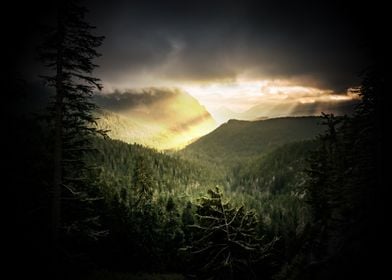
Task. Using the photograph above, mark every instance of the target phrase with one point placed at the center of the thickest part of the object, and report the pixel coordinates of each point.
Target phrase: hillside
(280, 171)
(157, 118)
(236, 140)
(117, 161)
(299, 109)
(286, 109)
(131, 130)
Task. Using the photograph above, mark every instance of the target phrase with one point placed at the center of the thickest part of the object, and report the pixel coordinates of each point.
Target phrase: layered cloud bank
(249, 100)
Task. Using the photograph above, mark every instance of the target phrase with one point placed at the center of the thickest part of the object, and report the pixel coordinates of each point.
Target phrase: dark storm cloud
(344, 107)
(130, 99)
(316, 42)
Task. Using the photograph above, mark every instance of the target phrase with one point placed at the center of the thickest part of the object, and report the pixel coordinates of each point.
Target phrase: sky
(232, 54)
(228, 54)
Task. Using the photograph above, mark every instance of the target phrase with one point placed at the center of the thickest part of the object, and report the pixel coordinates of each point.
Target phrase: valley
(196, 140)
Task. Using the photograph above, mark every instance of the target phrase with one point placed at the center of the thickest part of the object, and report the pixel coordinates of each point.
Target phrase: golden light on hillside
(171, 121)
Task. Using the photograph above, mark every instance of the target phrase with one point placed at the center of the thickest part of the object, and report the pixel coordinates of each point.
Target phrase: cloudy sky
(230, 53)
(234, 54)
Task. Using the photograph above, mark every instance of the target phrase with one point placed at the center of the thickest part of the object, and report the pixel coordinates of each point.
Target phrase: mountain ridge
(287, 109)
(236, 140)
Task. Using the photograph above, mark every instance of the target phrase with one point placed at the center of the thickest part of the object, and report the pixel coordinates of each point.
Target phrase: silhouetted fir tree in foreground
(68, 51)
(226, 245)
(346, 194)
(187, 219)
(324, 166)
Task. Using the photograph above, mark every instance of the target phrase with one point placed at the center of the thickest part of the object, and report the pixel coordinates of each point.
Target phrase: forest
(283, 198)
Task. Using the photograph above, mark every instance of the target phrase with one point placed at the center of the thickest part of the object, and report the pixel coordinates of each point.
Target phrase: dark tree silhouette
(226, 244)
(346, 193)
(68, 51)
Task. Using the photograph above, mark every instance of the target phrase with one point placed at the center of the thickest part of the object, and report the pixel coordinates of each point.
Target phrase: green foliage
(324, 184)
(344, 192)
(236, 141)
(147, 208)
(67, 51)
(280, 171)
(226, 243)
(272, 184)
(143, 184)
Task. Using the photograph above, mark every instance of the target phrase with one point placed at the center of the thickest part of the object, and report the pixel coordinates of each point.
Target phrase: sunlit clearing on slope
(164, 118)
(176, 121)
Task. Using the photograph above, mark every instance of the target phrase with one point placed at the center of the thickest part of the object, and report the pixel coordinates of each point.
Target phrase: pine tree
(226, 244)
(344, 192)
(187, 220)
(68, 51)
(143, 183)
(325, 164)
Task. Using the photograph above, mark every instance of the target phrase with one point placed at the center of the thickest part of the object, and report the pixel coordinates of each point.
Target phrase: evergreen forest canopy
(285, 198)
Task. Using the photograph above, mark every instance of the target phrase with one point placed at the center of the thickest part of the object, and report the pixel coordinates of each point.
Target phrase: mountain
(299, 109)
(235, 141)
(287, 108)
(128, 130)
(154, 117)
(117, 162)
(280, 171)
(223, 114)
